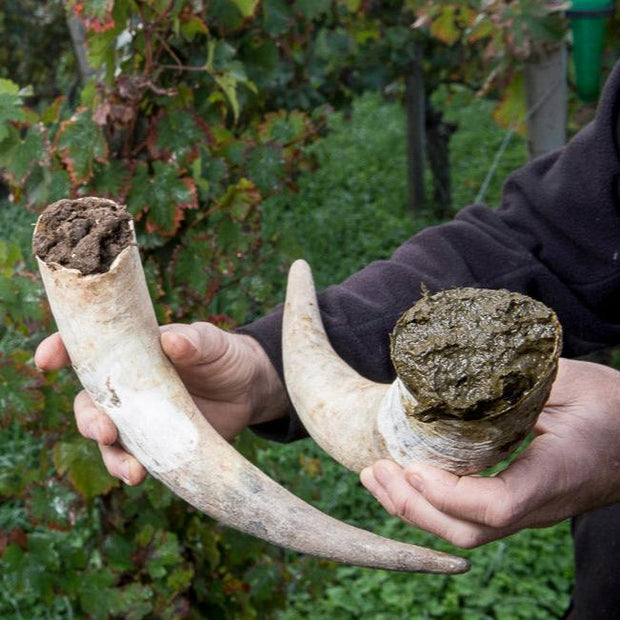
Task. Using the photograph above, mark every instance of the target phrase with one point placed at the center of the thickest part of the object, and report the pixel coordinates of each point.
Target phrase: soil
(86, 234)
(471, 353)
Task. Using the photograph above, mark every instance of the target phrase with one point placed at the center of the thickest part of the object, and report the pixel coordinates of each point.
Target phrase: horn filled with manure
(474, 369)
(90, 265)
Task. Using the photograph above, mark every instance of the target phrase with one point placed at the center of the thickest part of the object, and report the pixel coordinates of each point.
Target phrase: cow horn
(110, 331)
(358, 421)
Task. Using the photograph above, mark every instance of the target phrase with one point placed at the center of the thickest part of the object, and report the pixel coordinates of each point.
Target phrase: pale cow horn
(110, 331)
(458, 403)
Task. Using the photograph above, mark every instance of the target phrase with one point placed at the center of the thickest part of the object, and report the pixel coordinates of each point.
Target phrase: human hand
(228, 375)
(571, 467)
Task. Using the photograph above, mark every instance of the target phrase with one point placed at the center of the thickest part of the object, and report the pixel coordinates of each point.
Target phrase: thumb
(192, 345)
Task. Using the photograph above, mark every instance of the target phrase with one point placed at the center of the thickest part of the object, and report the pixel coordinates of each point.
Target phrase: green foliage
(353, 207)
(528, 575)
(172, 125)
(201, 117)
(490, 41)
(34, 43)
(350, 211)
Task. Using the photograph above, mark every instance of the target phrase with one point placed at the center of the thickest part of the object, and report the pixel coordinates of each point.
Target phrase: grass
(353, 209)
(350, 211)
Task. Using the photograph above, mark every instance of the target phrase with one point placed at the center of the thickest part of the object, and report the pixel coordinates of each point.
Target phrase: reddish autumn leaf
(95, 14)
(162, 197)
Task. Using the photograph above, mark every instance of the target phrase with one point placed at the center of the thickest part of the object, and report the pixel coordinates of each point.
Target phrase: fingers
(369, 479)
(469, 511)
(91, 422)
(95, 425)
(51, 353)
(122, 465)
(388, 483)
(527, 485)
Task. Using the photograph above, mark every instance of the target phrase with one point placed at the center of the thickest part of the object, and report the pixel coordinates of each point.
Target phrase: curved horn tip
(458, 566)
(431, 563)
(445, 564)
(300, 263)
(300, 270)
(451, 565)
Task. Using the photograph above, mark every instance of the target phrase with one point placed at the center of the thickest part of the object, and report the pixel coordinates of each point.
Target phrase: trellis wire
(509, 133)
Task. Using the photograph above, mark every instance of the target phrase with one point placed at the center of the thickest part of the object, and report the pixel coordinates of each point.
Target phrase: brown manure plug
(474, 369)
(90, 265)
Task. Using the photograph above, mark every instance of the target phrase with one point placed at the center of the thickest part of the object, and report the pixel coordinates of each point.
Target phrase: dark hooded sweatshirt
(555, 237)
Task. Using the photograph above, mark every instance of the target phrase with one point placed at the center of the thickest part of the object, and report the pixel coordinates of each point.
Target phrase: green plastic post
(587, 18)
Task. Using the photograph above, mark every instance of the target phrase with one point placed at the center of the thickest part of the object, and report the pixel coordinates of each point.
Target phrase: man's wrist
(268, 397)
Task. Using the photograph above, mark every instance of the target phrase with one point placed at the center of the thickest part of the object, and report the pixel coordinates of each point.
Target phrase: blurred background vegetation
(241, 134)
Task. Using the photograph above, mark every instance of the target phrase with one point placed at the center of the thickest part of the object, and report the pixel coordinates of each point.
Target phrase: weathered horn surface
(458, 402)
(109, 328)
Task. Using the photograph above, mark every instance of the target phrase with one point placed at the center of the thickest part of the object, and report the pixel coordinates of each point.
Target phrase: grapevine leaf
(175, 135)
(163, 196)
(240, 198)
(109, 180)
(247, 8)
(192, 27)
(265, 166)
(511, 111)
(96, 14)
(10, 106)
(19, 160)
(228, 83)
(191, 265)
(53, 504)
(169, 196)
(45, 185)
(138, 199)
(133, 601)
(167, 552)
(313, 9)
(283, 127)
(20, 396)
(81, 462)
(181, 578)
(278, 17)
(445, 27)
(97, 592)
(260, 59)
(81, 143)
(119, 551)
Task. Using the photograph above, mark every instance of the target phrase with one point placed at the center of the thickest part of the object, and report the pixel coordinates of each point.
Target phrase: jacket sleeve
(555, 237)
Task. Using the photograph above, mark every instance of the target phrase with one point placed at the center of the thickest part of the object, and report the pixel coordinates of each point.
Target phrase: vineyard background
(241, 134)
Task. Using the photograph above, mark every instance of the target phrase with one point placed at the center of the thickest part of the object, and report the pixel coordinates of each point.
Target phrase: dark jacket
(556, 237)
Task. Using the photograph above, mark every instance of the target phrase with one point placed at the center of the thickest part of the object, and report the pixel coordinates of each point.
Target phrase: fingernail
(367, 478)
(416, 482)
(126, 472)
(385, 470)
